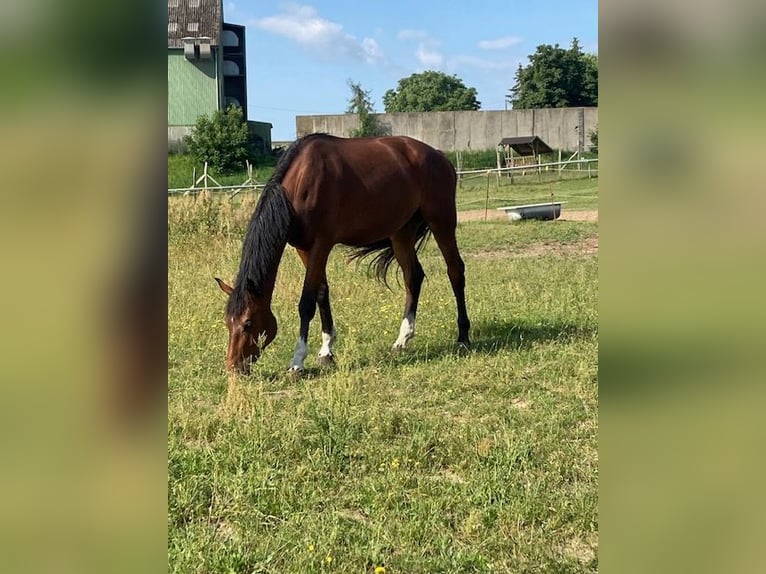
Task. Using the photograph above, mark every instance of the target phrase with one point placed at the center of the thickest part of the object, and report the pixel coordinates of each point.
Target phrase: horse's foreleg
(306, 310)
(315, 291)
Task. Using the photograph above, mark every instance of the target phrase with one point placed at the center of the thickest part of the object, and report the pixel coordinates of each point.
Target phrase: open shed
(521, 151)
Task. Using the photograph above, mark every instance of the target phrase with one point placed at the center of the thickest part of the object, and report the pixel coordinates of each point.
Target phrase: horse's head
(251, 328)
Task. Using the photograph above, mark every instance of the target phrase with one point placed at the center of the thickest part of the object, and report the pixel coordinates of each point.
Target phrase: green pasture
(431, 460)
(576, 189)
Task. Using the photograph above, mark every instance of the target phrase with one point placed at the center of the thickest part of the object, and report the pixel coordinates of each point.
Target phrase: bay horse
(382, 196)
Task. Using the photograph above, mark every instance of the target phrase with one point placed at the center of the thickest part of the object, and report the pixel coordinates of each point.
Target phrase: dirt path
(492, 214)
(586, 247)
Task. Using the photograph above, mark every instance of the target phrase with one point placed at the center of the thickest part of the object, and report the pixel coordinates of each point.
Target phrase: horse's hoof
(326, 360)
(295, 371)
(396, 349)
(463, 346)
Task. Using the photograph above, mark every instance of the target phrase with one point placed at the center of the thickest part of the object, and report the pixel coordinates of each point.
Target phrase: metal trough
(542, 211)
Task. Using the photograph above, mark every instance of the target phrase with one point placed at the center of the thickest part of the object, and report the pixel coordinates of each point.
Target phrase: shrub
(222, 140)
(594, 140)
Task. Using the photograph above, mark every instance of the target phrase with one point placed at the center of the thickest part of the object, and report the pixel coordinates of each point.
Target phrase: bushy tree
(557, 78)
(431, 92)
(221, 140)
(360, 104)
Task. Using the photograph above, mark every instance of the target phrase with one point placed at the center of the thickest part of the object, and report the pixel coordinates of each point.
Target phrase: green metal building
(206, 68)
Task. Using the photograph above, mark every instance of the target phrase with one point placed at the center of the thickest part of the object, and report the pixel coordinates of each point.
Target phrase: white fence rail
(531, 167)
(202, 183)
(193, 189)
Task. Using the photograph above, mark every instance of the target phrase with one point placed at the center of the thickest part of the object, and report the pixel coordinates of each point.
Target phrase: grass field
(577, 191)
(431, 460)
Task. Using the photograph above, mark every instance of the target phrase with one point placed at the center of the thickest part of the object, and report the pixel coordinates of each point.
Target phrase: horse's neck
(270, 281)
(265, 244)
(270, 277)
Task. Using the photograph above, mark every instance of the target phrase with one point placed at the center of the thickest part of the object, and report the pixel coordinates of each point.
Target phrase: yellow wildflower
(395, 463)
(380, 570)
(328, 558)
(310, 547)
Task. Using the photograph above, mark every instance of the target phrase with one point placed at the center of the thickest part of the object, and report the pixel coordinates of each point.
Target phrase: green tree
(360, 104)
(221, 140)
(556, 78)
(431, 92)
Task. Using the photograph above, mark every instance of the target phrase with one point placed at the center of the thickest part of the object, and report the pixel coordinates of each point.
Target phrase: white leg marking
(301, 350)
(327, 342)
(406, 332)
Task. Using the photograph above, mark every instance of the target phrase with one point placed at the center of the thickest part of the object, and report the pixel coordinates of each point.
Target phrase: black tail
(384, 252)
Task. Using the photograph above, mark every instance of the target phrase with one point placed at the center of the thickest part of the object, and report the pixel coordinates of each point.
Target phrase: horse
(380, 196)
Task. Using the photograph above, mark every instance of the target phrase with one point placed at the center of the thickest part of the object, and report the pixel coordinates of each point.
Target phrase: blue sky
(301, 55)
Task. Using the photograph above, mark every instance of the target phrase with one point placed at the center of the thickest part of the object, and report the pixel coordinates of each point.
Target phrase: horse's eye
(248, 324)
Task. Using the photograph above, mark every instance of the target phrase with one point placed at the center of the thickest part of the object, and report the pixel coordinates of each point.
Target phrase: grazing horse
(381, 196)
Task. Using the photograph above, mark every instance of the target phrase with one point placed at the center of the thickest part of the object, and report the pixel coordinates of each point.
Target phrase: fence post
(486, 199)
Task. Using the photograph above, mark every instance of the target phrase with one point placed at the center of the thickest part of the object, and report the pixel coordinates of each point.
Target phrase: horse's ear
(224, 287)
(252, 289)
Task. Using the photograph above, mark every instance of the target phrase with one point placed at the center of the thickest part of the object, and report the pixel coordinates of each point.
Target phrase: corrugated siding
(192, 88)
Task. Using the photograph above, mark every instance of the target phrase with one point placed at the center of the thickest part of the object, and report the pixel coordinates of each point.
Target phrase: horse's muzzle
(241, 367)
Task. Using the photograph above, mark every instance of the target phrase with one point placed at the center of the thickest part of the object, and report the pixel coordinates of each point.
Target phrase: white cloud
(303, 25)
(429, 58)
(500, 43)
(372, 51)
(426, 53)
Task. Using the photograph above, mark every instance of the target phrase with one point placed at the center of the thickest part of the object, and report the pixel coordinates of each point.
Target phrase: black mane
(267, 231)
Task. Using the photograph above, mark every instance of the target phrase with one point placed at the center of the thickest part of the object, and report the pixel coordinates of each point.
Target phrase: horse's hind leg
(445, 239)
(403, 243)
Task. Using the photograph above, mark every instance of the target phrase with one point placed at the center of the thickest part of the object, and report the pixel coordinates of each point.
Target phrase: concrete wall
(479, 130)
(176, 138)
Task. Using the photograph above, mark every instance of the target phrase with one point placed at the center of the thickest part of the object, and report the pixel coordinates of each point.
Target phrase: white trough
(542, 211)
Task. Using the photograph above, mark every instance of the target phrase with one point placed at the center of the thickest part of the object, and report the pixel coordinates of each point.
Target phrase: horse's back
(385, 159)
(362, 189)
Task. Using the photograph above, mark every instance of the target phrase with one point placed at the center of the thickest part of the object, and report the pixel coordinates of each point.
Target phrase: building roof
(526, 145)
(194, 19)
